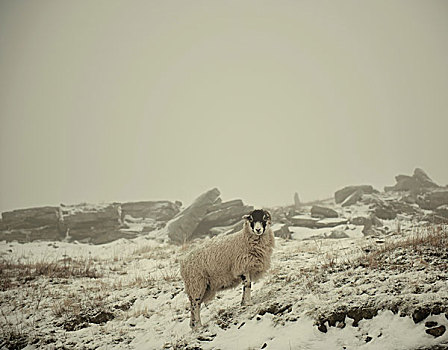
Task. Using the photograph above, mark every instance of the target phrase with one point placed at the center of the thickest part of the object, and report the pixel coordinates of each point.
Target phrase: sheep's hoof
(246, 303)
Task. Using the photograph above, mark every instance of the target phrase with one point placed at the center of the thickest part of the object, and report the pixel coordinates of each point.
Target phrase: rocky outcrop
(25, 225)
(94, 224)
(156, 210)
(341, 195)
(208, 215)
(416, 183)
(30, 218)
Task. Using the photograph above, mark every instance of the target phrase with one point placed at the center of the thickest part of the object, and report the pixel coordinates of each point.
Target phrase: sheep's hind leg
(246, 289)
(195, 319)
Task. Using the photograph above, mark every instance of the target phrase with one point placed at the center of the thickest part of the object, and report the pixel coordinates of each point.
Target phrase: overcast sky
(144, 100)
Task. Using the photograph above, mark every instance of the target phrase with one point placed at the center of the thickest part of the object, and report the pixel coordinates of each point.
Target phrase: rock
(282, 231)
(331, 222)
(420, 314)
(442, 211)
(361, 313)
(436, 331)
(223, 214)
(297, 203)
(337, 234)
(157, 210)
(424, 179)
(342, 194)
(180, 229)
(385, 212)
(323, 212)
(370, 226)
(44, 233)
(304, 221)
(27, 225)
(275, 309)
(94, 224)
(31, 218)
(433, 200)
(359, 220)
(435, 219)
(415, 183)
(353, 198)
(430, 324)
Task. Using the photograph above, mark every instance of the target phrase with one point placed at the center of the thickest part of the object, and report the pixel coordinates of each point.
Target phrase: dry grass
(428, 241)
(13, 273)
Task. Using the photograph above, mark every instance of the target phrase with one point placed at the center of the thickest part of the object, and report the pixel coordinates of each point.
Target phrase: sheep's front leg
(246, 289)
(195, 320)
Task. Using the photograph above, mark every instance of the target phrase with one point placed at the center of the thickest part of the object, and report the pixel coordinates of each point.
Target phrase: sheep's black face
(258, 220)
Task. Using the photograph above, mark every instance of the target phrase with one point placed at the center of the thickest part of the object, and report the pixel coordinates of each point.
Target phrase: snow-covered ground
(350, 293)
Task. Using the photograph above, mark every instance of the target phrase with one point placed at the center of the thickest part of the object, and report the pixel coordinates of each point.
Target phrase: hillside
(366, 269)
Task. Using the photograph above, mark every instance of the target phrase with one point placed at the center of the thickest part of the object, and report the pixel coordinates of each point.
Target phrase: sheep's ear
(247, 217)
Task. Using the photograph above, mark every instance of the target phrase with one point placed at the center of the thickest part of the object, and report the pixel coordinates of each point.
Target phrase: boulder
(415, 183)
(282, 231)
(223, 214)
(157, 210)
(304, 221)
(385, 212)
(181, 228)
(337, 234)
(434, 199)
(353, 198)
(342, 194)
(323, 212)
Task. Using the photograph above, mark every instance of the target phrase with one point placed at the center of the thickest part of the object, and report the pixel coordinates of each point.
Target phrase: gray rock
(323, 212)
(353, 198)
(342, 194)
(225, 214)
(371, 225)
(424, 179)
(337, 234)
(44, 233)
(433, 200)
(92, 224)
(31, 218)
(181, 228)
(157, 210)
(297, 203)
(385, 212)
(304, 221)
(282, 231)
(415, 183)
(442, 211)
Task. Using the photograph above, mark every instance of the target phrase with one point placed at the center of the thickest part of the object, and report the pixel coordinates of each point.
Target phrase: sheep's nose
(258, 230)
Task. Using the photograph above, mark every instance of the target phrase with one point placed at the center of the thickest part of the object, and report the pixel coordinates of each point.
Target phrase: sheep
(223, 263)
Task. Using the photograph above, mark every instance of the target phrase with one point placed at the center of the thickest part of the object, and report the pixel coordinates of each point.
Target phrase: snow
(141, 286)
